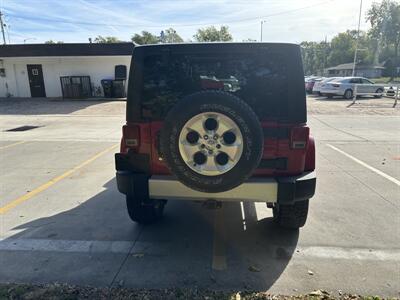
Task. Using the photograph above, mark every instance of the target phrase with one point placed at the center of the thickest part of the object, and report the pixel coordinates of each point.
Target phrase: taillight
(309, 164)
(299, 137)
(130, 137)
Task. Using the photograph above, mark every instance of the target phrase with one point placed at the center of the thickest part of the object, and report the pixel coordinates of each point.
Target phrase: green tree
(212, 34)
(106, 39)
(166, 36)
(384, 18)
(320, 55)
(145, 38)
(53, 42)
(343, 47)
(314, 56)
(170, 36)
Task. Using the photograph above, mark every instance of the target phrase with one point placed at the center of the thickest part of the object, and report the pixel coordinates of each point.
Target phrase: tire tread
(143, 214)
(292, 216)
(201, 182)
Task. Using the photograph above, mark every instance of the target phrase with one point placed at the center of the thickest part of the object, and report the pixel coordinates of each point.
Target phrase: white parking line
(66, 246)
(384, 175)
(348, 253)
(124, 247)
(243, 215)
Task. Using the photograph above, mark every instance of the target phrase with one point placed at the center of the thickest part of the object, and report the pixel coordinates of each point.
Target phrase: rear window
(260, 81)
(366, 81)
(355, 80)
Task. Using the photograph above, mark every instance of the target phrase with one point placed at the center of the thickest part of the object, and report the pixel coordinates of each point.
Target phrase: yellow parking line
(53, 181)
(12, 145)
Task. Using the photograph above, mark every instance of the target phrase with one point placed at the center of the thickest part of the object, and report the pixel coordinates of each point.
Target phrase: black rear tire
(378, 91)
(230, 106)
(291, 216)
(144, 213)
(348, 94)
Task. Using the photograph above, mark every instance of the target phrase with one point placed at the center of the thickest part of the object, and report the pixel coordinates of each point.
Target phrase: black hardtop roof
(286, 54)
(217, 45)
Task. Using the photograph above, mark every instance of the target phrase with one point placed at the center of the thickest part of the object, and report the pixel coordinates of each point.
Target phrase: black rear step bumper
(282, 190)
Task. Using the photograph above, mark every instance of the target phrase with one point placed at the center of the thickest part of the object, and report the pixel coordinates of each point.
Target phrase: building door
(36, 82)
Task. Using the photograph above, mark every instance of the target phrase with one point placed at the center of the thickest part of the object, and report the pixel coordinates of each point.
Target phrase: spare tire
(211, 141)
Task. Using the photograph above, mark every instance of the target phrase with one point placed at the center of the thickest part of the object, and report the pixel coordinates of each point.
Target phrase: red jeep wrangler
(219, 121)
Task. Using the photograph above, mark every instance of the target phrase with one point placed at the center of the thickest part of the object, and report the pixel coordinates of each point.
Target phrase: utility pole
(325, 56)
(2, 28)
(358, 36)
(261, 35)
(8, 33)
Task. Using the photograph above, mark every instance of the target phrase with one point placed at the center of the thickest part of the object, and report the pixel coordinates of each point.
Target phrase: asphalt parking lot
(63, 220)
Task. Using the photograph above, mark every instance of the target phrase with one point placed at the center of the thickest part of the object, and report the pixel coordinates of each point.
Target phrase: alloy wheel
(211, 143)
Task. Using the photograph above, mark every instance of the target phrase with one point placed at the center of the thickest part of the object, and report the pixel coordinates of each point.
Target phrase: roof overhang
(76, 49)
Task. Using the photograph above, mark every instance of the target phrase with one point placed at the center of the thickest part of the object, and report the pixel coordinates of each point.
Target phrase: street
(63, 220)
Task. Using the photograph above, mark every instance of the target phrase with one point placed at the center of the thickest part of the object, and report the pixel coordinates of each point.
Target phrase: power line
(65, 21)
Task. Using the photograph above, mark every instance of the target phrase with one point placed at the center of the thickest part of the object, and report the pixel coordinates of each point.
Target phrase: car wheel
(144, 213)
(348, 94)
(211, 141)
(291, 216)
(378, 91)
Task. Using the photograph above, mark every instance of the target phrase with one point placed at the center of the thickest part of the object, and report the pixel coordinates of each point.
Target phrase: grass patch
(68, 292)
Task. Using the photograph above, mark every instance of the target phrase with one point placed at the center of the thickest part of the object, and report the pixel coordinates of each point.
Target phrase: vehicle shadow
(258, 250)
(190, 247)
(45, 106)
(341, 99)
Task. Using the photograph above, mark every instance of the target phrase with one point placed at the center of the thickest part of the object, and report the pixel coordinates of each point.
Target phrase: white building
(34, 70)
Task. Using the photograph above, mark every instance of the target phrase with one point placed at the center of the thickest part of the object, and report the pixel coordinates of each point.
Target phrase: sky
(36, 21)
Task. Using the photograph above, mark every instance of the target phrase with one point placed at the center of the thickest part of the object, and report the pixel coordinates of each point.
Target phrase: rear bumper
(284, 190)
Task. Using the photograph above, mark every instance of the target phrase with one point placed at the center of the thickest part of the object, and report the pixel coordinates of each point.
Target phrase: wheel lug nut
(203, 146)
(210, 152)
(215, 137)
(205, 137)
(218, 146)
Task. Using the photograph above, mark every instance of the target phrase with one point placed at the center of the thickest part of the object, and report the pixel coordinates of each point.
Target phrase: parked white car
(319, 84)
(344, 87)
